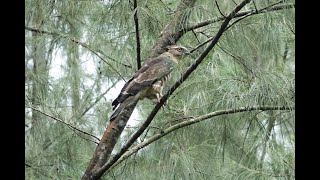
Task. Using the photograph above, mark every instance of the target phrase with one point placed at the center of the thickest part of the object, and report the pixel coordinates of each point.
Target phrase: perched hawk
(148, 81)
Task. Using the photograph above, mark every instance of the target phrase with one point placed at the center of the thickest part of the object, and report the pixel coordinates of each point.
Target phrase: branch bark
(174, 30)
(115, 128)
(171, 34)
(172, 89)
(175, 127)
(109, 139)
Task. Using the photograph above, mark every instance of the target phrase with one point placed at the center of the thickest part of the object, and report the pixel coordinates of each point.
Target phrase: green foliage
(252, 65)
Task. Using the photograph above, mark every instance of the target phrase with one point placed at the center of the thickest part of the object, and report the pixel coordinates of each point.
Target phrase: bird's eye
(179, 49)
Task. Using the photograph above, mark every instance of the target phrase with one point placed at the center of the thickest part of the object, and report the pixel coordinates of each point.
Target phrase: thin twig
(61, 121)
(200, 45)
(237, 59)
(219, 9)
(250, 14)
(235, 3)
(255, 6)
(195, 35)
(136, 23)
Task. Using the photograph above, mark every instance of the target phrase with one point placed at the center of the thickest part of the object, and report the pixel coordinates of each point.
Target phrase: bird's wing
(150, 72)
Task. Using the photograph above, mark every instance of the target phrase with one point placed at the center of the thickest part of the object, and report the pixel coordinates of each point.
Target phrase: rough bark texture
(172, 31)
(155, 110)
(170, 35)
(109, 139)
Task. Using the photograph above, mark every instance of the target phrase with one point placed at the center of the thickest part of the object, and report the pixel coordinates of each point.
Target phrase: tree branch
(175, 127)
(136, 23)
(219, 9)
(172, 89)
(239, 14)
(68, 125)
(171, 32)
(200, 45)
(81, 44)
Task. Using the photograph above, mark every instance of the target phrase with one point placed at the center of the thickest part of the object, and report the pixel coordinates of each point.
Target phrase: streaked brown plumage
(148, 81)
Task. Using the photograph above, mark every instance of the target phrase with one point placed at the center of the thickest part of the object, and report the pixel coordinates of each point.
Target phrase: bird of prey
(148, 81)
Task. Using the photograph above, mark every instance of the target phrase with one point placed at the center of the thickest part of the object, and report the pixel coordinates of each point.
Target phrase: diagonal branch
(175, 127)
(136, 23)
(200, 45)
(68, 125)
(172, 89)
(81, 44)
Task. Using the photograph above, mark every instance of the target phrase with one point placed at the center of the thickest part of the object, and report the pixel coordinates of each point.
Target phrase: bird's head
(177, 51)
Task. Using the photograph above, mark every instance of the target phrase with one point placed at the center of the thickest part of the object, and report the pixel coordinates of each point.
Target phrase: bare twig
(235, 3)
(193, 121)
(61, 121)
(136, 23)
(200, 45)
(219, 9)
(255, 6)
(195, 35)
(233, 23)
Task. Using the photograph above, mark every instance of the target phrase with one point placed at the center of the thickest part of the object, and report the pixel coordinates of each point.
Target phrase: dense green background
(252, 65)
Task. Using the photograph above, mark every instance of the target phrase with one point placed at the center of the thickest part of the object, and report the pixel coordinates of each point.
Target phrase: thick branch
(175, 127)
(171, 33)
(239, 14)
(136, 23)
(172, 89)
(110, 138)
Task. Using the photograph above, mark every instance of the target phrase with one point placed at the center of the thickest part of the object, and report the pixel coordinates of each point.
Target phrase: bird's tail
(127, 105)
(121, 97)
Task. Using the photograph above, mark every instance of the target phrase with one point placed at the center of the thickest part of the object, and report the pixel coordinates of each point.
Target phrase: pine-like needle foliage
(76, 52)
